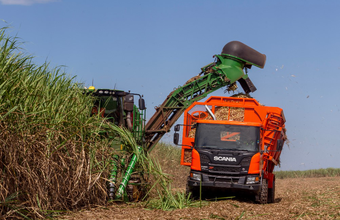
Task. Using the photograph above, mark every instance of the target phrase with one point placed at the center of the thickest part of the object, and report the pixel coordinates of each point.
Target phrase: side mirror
(176, 138)
(177, 128)
(141, 104)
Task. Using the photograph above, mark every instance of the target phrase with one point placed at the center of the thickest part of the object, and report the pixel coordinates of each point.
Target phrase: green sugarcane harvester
(118, 106)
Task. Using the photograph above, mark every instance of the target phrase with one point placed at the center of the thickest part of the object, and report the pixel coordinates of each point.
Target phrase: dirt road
(300, 198)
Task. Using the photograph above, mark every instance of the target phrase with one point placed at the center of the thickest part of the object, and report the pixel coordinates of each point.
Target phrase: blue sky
(151, 47)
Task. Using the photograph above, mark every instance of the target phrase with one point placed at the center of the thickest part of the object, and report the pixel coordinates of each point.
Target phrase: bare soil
(296, 198)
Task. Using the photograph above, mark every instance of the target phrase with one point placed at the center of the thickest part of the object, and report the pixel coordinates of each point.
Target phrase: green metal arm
(224, 72)
(127, 176)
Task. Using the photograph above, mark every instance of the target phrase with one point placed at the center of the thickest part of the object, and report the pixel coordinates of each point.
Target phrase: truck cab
(222, 155)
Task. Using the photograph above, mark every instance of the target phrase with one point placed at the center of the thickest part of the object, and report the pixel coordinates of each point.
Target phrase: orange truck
(232, 144)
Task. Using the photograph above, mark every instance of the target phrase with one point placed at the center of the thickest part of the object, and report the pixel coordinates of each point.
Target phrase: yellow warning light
(91, 88)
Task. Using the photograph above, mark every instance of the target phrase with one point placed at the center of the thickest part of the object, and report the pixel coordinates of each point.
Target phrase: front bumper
(223, 182)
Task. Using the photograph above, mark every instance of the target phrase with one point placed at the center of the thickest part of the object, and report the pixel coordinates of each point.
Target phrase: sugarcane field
(169, 110)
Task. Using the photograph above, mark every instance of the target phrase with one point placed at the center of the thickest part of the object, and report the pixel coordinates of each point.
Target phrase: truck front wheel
(192, 191)
(262, 196)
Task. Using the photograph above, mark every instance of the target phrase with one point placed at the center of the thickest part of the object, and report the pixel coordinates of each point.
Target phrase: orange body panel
(196, 161)
(254, 167)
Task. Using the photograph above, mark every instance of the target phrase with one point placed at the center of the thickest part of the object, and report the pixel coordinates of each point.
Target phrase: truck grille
(223, 180)
(228, 169)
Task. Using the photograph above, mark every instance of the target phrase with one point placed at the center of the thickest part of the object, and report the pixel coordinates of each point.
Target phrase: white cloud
(25, 2)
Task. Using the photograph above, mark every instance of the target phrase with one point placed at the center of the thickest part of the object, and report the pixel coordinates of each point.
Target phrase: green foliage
(169, 152)
(52, 157)
(166, 198)
(173, 200)
(329, 172)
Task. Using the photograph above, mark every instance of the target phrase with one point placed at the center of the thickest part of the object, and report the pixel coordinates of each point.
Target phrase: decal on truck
(219, 158)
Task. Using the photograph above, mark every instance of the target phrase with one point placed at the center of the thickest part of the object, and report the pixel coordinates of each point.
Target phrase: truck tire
(193, 192)
(271, 194)
(262, 196)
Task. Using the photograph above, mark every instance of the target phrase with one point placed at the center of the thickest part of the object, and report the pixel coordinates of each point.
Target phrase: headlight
(245, 162)
(252, 179)
(196, 176)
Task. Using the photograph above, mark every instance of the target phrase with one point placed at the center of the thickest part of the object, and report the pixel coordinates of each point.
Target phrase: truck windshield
(227, 137)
